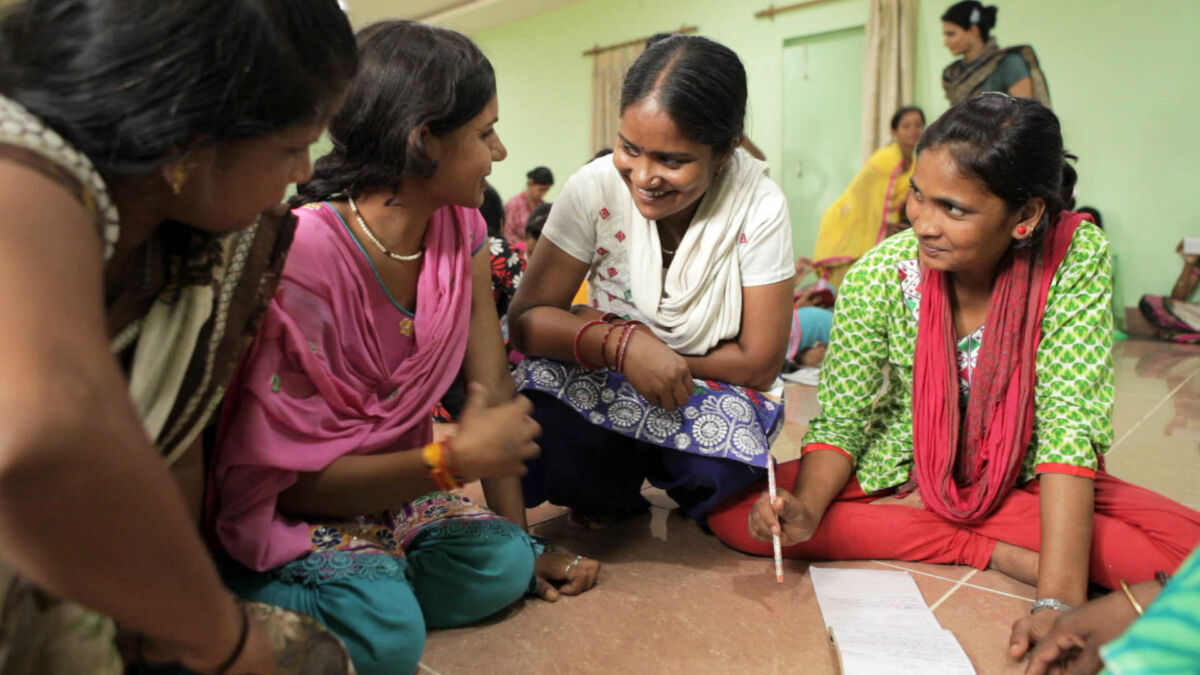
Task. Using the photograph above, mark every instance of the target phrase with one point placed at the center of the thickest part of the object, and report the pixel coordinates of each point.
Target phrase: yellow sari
(859, 218)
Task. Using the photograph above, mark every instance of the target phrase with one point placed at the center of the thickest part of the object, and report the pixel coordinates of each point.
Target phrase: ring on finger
(571, 564)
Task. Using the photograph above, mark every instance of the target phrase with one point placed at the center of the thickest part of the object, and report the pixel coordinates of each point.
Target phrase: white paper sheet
(880, 624)
(901, 651)
(869, 598)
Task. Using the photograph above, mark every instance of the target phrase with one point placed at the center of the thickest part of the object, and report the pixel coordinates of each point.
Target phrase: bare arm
(539, 320)
(487, 364)
(76, 467)
(755, 357)
(1066, 514)
(1022, 88)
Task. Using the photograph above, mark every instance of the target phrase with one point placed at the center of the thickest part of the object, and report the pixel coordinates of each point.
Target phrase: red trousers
(1136, 531)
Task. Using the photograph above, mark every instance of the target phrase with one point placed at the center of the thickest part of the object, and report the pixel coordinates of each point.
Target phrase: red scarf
(965, 469)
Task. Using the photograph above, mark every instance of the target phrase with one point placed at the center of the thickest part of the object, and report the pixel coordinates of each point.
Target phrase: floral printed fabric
(393, 531)
(720, 420)
(875, 330)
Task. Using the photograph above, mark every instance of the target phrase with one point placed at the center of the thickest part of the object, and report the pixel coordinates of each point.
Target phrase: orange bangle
(440, 473)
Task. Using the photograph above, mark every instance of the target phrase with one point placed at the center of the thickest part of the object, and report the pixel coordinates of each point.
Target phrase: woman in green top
(984, 66)
(982, 443)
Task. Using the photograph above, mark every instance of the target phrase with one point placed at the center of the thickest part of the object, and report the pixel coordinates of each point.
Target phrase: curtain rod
(771, 11)
(608, 48)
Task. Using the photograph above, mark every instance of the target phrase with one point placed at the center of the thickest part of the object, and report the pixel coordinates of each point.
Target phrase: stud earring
(176, 176)
(1021, 230)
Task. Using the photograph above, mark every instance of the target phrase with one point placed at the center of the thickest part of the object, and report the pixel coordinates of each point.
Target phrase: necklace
(371, 235)
(668, 251)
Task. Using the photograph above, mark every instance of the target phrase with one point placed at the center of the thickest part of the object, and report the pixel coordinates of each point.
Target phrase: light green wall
(1120, 73)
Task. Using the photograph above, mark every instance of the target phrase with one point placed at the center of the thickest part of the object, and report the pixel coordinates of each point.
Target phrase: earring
(1021, 230)
(175, 175)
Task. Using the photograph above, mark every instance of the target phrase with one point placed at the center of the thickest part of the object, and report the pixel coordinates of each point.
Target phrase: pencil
(774, 537)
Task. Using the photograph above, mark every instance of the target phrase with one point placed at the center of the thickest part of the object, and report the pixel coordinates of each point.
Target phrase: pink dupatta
(322, 380)
(965, 468)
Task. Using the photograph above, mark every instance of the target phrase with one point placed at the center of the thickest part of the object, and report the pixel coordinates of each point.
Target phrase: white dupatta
(699, 303)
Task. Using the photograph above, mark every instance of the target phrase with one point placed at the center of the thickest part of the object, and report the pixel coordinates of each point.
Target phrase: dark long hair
(1013, 147)
(412, 75)
(134, 83)
(972, 13)
(899, 115)
(700, 83)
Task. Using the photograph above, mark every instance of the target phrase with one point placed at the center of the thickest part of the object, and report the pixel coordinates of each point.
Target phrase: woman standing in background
(984, 66)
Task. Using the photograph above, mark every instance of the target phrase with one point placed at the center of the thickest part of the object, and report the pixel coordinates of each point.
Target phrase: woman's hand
(1072, 643)
(786, 516)
(494, 442)
(656, 372)
(563, 574)
(1028, 630)
(1189, 260)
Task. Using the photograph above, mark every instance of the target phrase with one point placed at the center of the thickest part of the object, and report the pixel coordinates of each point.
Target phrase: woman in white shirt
(670, 372)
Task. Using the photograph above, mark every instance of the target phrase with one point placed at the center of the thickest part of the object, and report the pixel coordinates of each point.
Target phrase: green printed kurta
(867, 379)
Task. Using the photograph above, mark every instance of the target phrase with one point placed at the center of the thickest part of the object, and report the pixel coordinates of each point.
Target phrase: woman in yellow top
(869, 210)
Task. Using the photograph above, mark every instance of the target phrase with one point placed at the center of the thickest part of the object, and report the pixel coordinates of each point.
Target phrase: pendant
(407, 327)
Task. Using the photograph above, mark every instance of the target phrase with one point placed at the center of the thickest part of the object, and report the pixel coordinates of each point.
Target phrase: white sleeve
(765, 253)
(571, 225)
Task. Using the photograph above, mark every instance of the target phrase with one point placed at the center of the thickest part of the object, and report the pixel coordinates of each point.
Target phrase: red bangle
(609, 316)
(1195, 271)
(604, 345)
(579, 339)
(629, 330)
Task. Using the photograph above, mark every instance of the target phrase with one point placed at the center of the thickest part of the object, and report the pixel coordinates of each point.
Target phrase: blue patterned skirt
(719, 420)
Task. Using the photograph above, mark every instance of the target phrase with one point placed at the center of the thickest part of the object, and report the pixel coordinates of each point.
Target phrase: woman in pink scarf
(328, 493)
(992, 320)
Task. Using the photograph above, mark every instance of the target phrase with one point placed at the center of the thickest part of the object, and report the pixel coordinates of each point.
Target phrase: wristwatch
(1049, 603)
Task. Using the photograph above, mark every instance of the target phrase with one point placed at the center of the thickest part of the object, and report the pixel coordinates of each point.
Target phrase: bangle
(626, 335)
(241, 642)
(608, 317)
(1162, 577)
(1049, 603)
(440, 473)
(604, 344)
(1194, 271)
(1137, 606)
(579, 338)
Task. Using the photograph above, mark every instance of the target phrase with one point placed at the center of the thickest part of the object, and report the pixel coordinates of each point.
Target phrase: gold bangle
(1137, 606)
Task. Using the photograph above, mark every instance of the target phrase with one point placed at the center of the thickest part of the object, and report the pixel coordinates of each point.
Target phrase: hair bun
(987, 17)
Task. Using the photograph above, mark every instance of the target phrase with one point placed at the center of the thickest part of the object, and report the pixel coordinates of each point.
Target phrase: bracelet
(241, 642)
(579, 338)
(608, 317)
(1049, 603)
(1194, 271)
(1162, 578)
(440, 473)
(626, 335)
(604, 344)
(1137, 606)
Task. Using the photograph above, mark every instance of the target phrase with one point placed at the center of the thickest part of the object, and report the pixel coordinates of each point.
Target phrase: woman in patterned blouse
(885, 471)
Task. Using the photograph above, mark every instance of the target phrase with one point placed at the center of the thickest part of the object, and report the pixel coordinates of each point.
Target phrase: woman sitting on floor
(992, 321)
(671, 372)
(1175, 318)
(329, 492)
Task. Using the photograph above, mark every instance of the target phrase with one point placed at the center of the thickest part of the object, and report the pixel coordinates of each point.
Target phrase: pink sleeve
(514, 220)
(477, 235)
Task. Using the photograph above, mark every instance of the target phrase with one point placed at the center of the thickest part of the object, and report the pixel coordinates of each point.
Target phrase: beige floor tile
(1163, 452)
(982, 622)
(537, 514)
(671, 600)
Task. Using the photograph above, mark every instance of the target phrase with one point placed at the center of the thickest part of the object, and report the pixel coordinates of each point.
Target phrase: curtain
(889, 65)
(608, 72)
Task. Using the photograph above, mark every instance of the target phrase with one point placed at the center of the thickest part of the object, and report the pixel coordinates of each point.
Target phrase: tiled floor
(674, 600)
